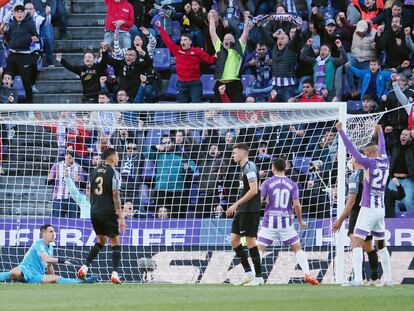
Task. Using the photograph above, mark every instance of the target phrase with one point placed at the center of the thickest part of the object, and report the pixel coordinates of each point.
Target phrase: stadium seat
(302, 164)
(354, 106)
(175, 31)
(162, 59)
(208, 85)
(172, 87)
(153, 137)
(18, 85)
(165, 117)
(148, 171)
(247, 81)
(3, 57)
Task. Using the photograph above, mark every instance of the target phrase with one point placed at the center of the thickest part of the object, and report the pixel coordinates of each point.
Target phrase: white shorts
(370, 221)
(267, 236)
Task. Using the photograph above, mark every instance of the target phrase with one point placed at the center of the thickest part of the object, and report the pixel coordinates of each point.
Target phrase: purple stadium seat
(354, 106)
(3, 57)
(175, 31)
(148, 171)
(172, 87)
(18, 85)
(247, 81)
(165, 117)
(153, 137)
(162, 59)
(302, 164)
(208, 85)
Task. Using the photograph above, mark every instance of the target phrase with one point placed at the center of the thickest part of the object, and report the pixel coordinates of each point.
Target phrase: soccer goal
(178, 180)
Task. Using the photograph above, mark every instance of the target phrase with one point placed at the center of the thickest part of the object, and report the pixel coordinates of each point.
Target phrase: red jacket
(315, 98)
(411, 118)
(187, 61)
(119, 11)
(368, 15)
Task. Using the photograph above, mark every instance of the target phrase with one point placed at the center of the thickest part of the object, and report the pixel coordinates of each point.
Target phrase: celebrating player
(106, 212)
(372, 213)
(37, 265)
(246, 216)
(352, 208)
(282, 195)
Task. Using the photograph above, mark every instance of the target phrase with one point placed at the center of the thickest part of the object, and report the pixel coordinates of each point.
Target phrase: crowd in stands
(253, 51)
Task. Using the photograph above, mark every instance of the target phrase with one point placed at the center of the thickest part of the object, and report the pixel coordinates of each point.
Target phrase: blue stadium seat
(18, 85)
(247, 81)
(175, 31)
(172, 87)
(208, 85)
(153, 137)
(165, 117)
(302, 164)
(354, 106)
(3, 57)
(162, 59)
(148, 171)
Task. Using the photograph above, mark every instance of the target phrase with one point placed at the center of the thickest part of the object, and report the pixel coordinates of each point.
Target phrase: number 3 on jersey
(99, 185)
(380, 178)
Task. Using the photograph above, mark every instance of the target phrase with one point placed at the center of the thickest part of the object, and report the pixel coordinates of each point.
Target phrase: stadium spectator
(90, 73)
(121, 139)
(171, 171)
(220, 30)
(62, 203)
(366, 10)
(211, 171)
(392, 196)
(128, 71)
(327, 30)
(263, 161)
(8, 94)
(324, 67)
(138, 44)
(231, 12)
(188, 60)
(259, 63)
(229, 60)
(197, 16)
(19, 36)
(395, 121)
(393, 42)
(369, 105)
(119, 17)
(130, 170)
(308, 95)
(402, 168)
(373, 80)
(396, 10)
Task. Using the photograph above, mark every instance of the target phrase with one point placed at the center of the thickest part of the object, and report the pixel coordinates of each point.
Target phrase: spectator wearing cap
(62, 203)
(327, 30)
(229, 61)
(362, 50)
(20, 35)
(119, 17)
(393, 42)
(373, 80)
(188, 61)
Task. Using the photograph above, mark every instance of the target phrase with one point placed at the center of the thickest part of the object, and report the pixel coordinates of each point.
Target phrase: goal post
(188, 241)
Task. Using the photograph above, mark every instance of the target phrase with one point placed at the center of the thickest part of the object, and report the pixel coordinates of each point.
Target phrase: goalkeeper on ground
(37, 265)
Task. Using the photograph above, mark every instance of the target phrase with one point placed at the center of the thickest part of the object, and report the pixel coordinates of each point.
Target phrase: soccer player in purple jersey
(371, 216)
(282, 195)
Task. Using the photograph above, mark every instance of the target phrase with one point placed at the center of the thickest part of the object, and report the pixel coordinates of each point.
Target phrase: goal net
(178, 179)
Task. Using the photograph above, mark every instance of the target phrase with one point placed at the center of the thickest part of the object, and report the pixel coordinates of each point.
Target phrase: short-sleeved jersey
(249, 174)
(281, 191)
(355, 185)
(375, 180)
(32, 263)
(103, 180)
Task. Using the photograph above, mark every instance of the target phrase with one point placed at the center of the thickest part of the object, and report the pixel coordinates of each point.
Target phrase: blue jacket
(381, 80)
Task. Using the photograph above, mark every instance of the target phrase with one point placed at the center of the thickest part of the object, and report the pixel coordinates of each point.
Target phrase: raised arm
(364, 161)
(212, 28)
(401, 96)
(246, 29)
(168, 42)
(381, 140)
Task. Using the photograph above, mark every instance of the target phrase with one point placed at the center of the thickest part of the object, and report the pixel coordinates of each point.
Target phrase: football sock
(302, 260)
(357, 258)
(254, 254)
(93, 253)
(243, 258)
(67, 281)
(385, 263)
(4, 276)
(116, 257)
(373, 264)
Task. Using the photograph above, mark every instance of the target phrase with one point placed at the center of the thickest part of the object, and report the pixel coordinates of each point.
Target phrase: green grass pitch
(204, 297)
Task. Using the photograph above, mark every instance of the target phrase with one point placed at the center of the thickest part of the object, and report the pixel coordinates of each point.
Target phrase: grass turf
(204, 297)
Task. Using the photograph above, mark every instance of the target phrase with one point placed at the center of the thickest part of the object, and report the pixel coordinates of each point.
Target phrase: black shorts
(246, 224)
(351, 227)
(105, 225)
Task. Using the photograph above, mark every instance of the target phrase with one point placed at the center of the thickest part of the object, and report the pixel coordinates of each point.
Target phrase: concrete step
(59, 87)
(27, 168)
(77, 45)
(38, 182)
(85, 19)
(57, 74)
(57, 98)
(83, 32)
(88, 6)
